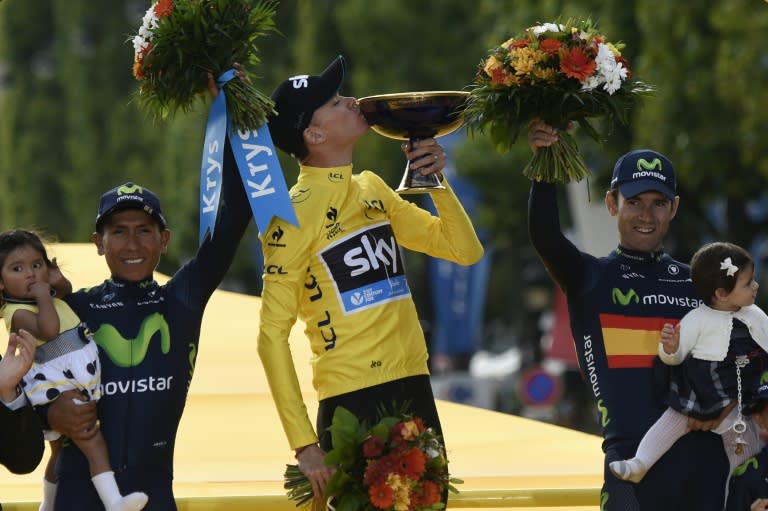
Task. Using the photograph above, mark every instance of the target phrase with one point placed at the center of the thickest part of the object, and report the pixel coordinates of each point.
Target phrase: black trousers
(365, 404)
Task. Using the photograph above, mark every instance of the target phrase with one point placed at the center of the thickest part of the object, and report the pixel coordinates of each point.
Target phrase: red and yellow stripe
(630, 341)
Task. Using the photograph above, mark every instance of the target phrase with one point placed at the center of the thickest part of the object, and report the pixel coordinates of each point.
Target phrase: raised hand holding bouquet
(395, 465)
(180, 43)
(560, 73)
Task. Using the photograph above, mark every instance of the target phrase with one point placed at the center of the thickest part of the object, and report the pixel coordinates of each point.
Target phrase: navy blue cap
(644, 170)
(296, 99)
(129, 196)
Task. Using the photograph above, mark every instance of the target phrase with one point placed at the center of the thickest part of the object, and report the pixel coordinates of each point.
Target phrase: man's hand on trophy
(426, 156)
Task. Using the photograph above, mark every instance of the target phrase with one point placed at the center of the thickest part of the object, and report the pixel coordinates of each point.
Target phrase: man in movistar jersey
(749, 484)
(341, 271)
(148, 336)
(617, 306)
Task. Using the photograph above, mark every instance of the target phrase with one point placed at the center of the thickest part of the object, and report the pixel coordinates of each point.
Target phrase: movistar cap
(644, 170)
(129, 196)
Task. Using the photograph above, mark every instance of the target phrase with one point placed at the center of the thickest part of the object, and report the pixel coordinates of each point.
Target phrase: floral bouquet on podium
(395, 465)
(558, 72)
(181, 41)
(179, 45)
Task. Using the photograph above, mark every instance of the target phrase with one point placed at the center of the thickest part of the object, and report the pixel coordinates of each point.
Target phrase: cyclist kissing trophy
(412, 116)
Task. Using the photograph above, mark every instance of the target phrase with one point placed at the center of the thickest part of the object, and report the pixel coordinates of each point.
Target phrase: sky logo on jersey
(367, 268)
(131, 352)
(630, 341)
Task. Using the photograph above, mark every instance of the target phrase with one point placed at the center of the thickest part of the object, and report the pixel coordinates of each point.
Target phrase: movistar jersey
(342, 273)
(617, 306)
(749, 482)
(148, 336)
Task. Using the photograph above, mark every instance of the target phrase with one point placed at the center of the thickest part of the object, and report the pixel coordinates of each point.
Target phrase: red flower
(498, 76)
(381, 496)
(430, 493)
(574, 63)
(377, 471)
(163, 8)
(373, 447)
(550, 46)
(412, 463)
(520, 43)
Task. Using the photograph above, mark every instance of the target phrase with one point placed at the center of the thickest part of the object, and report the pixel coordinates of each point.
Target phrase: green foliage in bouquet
(181, 41)
(560, 73)
(396, 464)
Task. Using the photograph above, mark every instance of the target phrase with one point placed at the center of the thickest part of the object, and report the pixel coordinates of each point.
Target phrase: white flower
(149, 22)
(609, 73)
(547, 27)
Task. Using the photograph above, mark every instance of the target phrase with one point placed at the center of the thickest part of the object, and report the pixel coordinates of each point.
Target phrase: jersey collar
(640, 257)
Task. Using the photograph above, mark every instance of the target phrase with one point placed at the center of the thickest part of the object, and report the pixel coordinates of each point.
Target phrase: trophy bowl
(413, 116)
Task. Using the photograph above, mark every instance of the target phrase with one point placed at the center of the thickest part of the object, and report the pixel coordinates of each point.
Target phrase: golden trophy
(413, 116)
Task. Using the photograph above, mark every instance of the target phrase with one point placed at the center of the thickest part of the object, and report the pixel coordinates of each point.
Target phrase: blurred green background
(70, 127)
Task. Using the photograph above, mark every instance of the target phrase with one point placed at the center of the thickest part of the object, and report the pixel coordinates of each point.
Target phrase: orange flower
(163, 8)
(550, 46)
(138, 72)
(381, 496)
(412, 463)
(574, 63)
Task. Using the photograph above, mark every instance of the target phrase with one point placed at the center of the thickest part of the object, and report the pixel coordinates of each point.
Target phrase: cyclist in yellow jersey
(341, 271)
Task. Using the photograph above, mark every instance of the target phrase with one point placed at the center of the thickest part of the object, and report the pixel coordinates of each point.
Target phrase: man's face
(642, 220)
(340, 120)
(131, 241)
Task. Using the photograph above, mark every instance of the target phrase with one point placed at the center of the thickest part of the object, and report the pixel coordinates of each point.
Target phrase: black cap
(644, 170)
(129, 196)
(296, 99)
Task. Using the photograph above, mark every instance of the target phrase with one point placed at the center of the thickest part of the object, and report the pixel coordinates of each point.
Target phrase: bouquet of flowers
(560, 73)
(181, 41)
(395, 465)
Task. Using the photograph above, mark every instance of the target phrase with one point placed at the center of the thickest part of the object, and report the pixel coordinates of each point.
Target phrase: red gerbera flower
(430, 493)
(377, 471)
(373, 447)
(381, 496)
(412, 463)
(574, 63)
(163, 8)
(520, 43)
(550, 46)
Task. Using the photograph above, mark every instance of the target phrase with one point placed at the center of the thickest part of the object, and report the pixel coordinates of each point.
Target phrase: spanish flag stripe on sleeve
(631, 341)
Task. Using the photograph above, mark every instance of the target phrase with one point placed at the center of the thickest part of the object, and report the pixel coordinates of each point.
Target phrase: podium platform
(231, 451)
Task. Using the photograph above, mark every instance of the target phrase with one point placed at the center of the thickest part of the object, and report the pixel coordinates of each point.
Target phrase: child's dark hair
(718, 265)
(15, 238)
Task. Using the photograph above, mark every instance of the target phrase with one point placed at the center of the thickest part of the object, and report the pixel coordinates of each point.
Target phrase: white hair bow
(729, 267)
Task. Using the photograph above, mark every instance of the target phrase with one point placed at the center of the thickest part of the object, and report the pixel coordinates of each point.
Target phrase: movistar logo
(604, 420)
(751, 462)
(643, 164)
(604, 496)
(764, 377)
(131, 352)
(624, 298)
(126, 189)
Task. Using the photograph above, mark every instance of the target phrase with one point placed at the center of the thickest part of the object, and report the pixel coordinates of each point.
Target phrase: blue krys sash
(257, 164)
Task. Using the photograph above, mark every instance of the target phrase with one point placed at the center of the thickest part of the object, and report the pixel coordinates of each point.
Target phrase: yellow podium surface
(231, 451)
